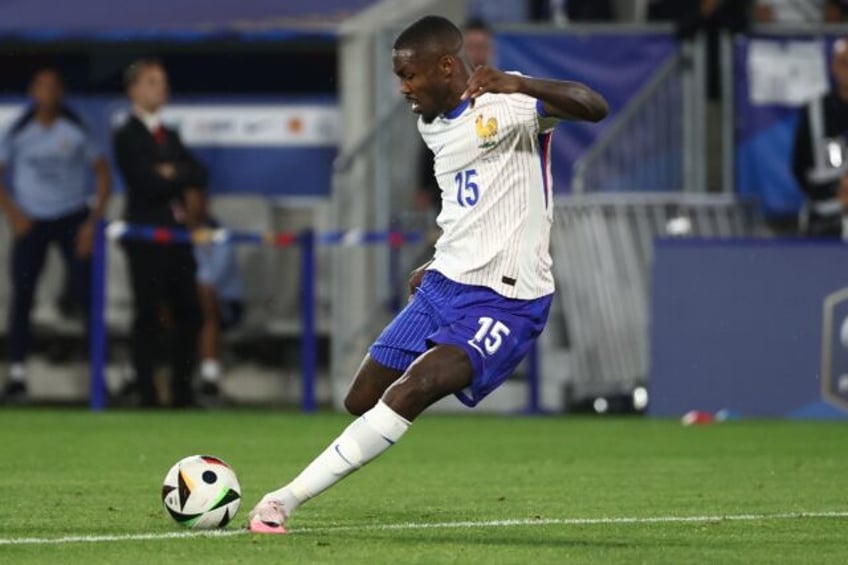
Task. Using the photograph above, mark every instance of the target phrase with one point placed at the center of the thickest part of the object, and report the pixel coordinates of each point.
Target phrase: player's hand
(488, 79)
(166, 170)
(21, 224)
(84, 241)
(195, 207)
(415, 278)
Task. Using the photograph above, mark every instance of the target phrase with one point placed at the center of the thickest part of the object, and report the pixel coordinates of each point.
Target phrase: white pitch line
(437, 525)
(122, 537)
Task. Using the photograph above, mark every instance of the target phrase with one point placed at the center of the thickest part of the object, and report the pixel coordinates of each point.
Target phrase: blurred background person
(219, 288)
(479, 43)
(161, 175)
(799, 11)
(821, 149)
(50, 152)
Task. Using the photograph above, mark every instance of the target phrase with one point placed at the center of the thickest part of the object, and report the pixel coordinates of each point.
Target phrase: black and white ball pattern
(201, 492)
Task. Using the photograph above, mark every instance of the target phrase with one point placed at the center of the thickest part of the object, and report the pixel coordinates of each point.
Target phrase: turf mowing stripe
(577, 521)
(438, 525)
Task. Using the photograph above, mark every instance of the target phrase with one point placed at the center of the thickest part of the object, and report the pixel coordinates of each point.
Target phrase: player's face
(150, 90)
(423, 82)
(46, 90)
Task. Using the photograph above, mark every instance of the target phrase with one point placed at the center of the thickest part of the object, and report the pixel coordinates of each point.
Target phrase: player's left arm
(561, 99)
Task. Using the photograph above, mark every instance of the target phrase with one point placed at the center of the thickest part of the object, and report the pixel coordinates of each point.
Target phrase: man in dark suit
(162, 179)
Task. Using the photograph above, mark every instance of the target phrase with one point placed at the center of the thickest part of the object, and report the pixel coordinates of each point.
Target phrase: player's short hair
(477, 24)
(431, 33)
(134, 70)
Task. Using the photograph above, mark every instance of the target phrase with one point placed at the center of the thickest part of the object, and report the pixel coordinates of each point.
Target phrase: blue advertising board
(754, 326)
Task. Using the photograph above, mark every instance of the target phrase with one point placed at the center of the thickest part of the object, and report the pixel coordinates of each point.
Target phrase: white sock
(210, 370)
(17, 372)
(366, 438)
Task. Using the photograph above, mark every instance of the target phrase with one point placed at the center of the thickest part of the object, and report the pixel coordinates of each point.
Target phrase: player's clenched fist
(488, 79)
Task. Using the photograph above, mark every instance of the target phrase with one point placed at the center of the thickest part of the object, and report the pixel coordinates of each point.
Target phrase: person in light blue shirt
(51, 155)
(219, 287)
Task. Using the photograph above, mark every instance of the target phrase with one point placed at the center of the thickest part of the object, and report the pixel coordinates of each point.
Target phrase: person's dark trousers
(163, 276)
(824, 226)
(28, 255)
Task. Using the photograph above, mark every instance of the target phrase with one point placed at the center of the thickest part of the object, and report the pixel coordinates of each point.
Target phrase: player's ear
(446, 65)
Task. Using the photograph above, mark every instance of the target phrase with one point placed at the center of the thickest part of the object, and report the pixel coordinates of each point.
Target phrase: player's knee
(356, 405)
(418, 387)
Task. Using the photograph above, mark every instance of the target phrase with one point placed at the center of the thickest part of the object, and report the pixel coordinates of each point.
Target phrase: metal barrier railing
(656, 143)
(602, 247)
(307, 240)
(373, 186)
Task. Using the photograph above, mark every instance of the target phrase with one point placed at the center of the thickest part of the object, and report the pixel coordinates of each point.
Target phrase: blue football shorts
(496, 332)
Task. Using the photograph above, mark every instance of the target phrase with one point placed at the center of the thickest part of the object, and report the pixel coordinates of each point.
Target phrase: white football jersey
(492, 163)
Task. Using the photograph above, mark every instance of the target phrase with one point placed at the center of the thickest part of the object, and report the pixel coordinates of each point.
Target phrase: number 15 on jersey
(467, 191)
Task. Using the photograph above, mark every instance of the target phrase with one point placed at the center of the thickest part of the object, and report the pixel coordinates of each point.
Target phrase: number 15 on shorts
(489, 337)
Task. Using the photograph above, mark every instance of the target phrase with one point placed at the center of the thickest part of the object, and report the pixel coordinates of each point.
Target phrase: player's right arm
(562, 99)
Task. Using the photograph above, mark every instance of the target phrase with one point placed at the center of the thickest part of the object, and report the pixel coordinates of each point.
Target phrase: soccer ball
(201, 492)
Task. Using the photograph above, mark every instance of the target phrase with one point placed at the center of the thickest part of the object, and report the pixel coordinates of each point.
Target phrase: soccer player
(480, 303)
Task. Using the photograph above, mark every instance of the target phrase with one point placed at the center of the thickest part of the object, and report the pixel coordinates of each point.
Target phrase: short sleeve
(532, 110)
(546, 121)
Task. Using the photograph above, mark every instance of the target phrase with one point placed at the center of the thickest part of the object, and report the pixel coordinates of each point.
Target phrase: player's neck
(452, 102)
(46, 116)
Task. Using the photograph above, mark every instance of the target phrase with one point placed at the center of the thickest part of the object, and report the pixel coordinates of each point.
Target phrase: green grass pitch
(491, 489)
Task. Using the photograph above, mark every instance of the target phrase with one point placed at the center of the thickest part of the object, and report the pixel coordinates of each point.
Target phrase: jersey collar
(456, 112)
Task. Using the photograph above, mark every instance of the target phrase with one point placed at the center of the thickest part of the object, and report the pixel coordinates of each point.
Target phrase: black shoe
(209, 395)
(15, 392)
(210, 389)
